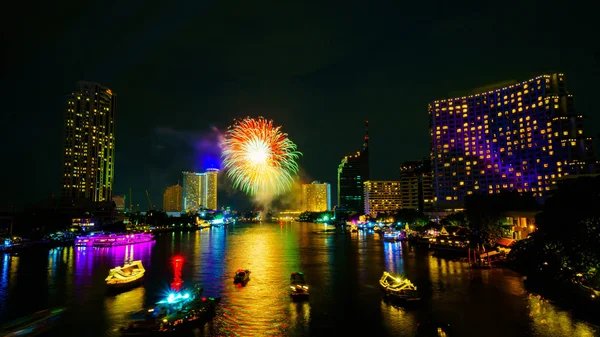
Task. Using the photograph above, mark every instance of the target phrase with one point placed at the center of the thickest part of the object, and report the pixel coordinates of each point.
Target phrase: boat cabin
(297, 278)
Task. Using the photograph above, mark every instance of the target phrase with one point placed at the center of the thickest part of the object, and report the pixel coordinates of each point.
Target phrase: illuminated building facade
(211, 188)
(382, 196)
(89, 143)
(416, 185)
(353, 171)
(172, 199)
(519, 137)
(119, 201)
(200, 190)
(316, 197)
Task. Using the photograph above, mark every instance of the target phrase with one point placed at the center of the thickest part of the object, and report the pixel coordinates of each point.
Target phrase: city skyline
(181, 75)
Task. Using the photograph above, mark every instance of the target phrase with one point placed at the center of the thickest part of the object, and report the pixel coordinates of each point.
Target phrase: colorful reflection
(177, 267)
(547, 320)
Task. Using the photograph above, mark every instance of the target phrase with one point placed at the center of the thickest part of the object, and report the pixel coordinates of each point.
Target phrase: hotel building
(89, 143)
(382, 197)
(353, 171)
(519, 137)
(416, 185)
(200, 190)
(172, 199)
(316, 197)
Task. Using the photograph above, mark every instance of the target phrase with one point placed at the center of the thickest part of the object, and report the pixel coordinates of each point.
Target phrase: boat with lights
(298, 286)
(398, 288)
(34, 324)
(111, 240)
(181, 311)
(241, 276)
(392, 236)
(129, 275)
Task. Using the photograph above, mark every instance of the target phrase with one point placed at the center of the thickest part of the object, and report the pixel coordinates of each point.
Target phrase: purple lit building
(519, 137)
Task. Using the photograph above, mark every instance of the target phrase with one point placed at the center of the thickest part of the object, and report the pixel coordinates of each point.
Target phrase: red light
(203, 298)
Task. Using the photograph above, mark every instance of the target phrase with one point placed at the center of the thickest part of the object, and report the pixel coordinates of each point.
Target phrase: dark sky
(318, 70)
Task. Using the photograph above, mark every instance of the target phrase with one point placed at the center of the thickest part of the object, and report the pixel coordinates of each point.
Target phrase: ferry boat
(129, 275)
(34, 324)
(398, 288)
(299, 288)
(111, 240)
(176, 313)
(392, 236)
(241, 276)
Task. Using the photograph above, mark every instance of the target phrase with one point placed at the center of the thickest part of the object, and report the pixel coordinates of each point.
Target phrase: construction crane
(151, 207)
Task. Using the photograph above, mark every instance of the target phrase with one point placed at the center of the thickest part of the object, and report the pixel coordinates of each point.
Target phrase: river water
(342, 269)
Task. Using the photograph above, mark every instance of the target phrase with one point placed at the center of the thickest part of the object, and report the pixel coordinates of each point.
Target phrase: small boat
(298, 285)
(392, 236)
(241, 276)
(34, 324)
(130, 274)
(398, 288)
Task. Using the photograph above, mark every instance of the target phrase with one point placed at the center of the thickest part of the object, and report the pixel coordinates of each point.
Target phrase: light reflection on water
(342, 269)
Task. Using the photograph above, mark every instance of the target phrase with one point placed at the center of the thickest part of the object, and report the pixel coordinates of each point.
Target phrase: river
(342, 270)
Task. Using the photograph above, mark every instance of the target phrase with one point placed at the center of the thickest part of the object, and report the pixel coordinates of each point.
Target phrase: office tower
(316, 197)
(172, 199)
(89, 143)
(211, 188)
(200, 190)
(519, 137)
(353, 171)
(119, 201)
(416, 185)
(192, 187)
(382, 197)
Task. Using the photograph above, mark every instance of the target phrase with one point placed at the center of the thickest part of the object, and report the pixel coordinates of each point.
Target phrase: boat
(377, 229)
(391, 236)
(398, 288)
(180, 311)
(111, 240)
(34, 324)
(298, 285)
(241, 276)
(130, 274)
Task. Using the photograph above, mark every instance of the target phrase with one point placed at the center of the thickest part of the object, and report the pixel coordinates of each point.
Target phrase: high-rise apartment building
(211, 188)
(172, 199)
(353, 171)
(416, 185)
(200, 190)
(382, 196)
(518, 137)
(119, 201)
(316, 197)
(89, 143)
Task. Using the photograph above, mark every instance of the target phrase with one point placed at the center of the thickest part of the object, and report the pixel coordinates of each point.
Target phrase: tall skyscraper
(89, 144)
(211, 188)
(316, 197)
(416, 185)
(382, 196)
(172, 199)
(192, 186)
(353, 171)
(200, 190)
(518, 137)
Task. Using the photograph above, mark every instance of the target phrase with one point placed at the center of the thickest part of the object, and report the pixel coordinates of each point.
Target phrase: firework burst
(259, 158)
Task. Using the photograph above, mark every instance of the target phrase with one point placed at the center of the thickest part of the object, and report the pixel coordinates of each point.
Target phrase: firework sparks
(259, 158)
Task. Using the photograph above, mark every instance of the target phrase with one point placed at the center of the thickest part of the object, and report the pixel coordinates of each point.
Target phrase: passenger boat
(110, 240)
(178, 312)
(34, 324)
(398, 288)
(299, 288)
(241, 276)
(392, 236)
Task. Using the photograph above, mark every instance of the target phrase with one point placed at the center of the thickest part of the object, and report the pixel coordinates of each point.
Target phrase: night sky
(318, 70)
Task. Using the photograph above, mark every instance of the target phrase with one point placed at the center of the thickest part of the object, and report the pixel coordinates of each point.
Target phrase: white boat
(398, 288)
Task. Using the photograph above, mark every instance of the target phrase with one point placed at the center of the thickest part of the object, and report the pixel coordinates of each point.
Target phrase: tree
(458, 219)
